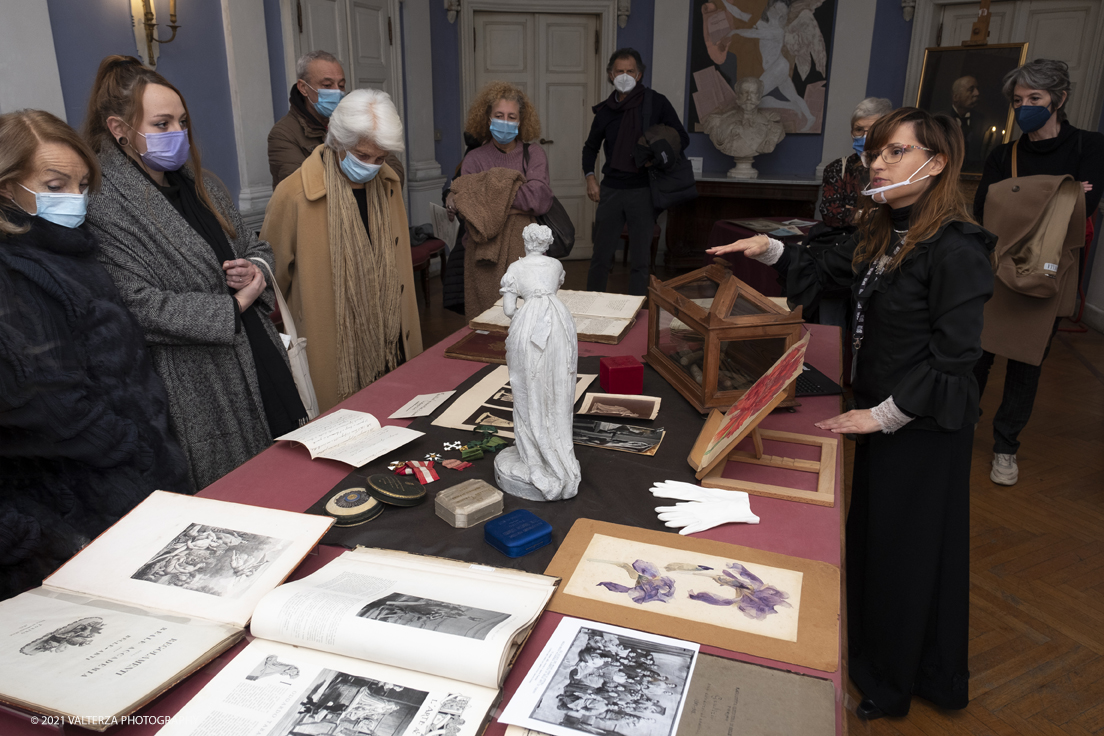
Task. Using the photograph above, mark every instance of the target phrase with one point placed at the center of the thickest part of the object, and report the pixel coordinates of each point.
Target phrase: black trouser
(1021, 382)
(615, 208)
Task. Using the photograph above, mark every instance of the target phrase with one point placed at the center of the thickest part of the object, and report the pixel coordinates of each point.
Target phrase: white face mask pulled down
(872, 193)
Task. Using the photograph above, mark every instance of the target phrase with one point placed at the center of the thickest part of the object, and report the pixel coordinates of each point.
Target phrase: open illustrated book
(599, 317)
(162, 592)
(376, 642)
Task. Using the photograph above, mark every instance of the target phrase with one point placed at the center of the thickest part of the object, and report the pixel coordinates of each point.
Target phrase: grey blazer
(174, 284)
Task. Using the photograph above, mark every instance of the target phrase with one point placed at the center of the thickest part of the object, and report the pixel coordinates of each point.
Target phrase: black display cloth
(614, 485)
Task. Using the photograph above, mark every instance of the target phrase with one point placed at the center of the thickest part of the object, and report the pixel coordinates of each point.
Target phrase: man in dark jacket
(318, 89)
(624, 194)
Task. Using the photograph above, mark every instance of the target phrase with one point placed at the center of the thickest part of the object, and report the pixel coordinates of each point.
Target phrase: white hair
(870, 107)
(303, 65)
(365, 113)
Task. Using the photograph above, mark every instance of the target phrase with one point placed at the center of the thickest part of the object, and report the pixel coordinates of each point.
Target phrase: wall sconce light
(145, 29)
(453, 7)
(623, 10)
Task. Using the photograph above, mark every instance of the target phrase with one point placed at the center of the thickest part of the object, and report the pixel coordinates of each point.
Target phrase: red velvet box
(622, 374)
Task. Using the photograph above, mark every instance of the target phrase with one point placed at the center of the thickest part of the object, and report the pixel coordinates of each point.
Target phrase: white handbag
(297, 350)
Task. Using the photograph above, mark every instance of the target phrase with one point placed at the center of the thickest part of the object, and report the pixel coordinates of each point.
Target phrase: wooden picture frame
(979, 106)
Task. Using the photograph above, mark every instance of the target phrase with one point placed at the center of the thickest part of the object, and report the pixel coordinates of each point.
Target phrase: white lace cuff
(889, 416)
(773, 252)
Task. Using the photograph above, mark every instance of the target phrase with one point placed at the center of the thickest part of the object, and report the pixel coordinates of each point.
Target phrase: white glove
(699, 516)
(690, 492)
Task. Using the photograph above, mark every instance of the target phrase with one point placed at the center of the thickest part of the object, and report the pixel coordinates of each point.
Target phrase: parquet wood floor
(1037, 554)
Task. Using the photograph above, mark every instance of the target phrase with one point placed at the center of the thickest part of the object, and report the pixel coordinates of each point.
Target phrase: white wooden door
(1068, 30)
(554, 58)
(324, 26)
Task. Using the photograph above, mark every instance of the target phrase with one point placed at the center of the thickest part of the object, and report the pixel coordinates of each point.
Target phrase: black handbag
(556, 219)
(671, 175)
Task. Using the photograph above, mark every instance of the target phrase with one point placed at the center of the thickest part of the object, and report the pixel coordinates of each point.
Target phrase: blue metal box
(517, 533)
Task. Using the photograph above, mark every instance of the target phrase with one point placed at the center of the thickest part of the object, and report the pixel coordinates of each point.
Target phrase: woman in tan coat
(339, 232)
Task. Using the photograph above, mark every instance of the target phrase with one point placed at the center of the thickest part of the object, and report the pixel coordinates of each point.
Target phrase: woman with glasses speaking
(919, 272)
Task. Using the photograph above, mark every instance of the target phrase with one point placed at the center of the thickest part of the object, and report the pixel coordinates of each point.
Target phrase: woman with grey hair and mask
(845, 177)
(1039, 92)
(339, 232)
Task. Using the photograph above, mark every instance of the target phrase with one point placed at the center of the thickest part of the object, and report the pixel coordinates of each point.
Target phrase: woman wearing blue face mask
(186, 266)
(344, 206)
(845, 177)
(505, 122)
(1039, 92)
(84, 431)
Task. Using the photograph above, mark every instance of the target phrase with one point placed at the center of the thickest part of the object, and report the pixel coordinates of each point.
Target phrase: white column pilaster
(423, 172)
(28, 65)
(251, 102)
(668, 65)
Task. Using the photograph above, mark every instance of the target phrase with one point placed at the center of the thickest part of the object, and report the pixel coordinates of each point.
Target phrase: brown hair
(479, 114)
(940, 203)
(21, 134)
(120, 84)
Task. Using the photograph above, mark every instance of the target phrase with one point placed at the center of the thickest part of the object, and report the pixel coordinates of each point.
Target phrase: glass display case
(712, 336)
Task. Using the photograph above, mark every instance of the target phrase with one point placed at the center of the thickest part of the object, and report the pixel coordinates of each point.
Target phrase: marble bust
(742, 130)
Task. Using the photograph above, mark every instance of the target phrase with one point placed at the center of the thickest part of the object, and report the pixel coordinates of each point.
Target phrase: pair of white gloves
(704, 508)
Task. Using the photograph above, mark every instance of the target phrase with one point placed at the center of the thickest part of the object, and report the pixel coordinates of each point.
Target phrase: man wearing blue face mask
(314, 96)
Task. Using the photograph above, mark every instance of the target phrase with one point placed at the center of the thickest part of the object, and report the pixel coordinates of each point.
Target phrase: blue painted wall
(86, 31)
(889, 52)
(280, 84)
(448, 113)
(637, 34)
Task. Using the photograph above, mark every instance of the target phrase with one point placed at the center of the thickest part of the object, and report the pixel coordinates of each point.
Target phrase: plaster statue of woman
(542, 355)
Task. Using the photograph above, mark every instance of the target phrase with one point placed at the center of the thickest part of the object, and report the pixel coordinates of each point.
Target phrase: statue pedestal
(743, 169)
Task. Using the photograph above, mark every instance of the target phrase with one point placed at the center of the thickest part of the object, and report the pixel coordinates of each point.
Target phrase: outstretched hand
(859, 421)
(751, 247)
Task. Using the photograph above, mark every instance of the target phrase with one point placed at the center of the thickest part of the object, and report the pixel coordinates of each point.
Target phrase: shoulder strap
(524, 158)
(1016, 143)
(285, 312)
(646, 120)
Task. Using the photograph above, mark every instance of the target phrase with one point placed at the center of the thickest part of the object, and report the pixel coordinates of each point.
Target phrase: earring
(123, 141)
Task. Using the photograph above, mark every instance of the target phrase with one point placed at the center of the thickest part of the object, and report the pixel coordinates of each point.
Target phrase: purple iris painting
(650, 584)
(754, 598)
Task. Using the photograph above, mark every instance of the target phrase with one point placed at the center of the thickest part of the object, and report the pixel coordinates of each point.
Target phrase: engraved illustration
(80, 633)
(273, 666)
(340, 704)
(426, 613)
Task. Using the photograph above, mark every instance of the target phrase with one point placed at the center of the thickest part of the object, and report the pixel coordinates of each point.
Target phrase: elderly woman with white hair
(845, 177)
(339, 232)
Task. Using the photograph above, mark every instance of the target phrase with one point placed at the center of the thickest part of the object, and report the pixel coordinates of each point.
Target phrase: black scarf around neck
(632, 127)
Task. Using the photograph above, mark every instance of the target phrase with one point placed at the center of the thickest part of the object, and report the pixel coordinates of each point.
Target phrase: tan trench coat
(296, 226)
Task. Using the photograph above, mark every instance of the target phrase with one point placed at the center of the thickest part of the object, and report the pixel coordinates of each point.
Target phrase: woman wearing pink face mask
(186, 266)
(919, 273)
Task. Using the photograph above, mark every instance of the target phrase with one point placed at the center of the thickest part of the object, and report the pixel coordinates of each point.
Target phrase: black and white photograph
(426, 613)
(626, 406)
(965, 83)
(339, 704)
(615, 684)
(503, 398)
(212, 560)
(271, 666)
(613, 436)
(80, 633)
(493, 416)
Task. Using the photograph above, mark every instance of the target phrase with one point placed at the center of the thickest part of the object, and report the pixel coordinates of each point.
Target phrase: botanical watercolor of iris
(721, 591)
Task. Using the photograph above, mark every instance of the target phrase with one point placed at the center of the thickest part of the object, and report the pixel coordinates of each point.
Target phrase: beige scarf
(365, 282)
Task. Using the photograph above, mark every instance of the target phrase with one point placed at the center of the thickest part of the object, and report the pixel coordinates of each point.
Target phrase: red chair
(421, 255)
(656, 232)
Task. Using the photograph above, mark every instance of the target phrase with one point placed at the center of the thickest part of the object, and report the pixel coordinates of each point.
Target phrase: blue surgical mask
(503, 131)
(1032, 117)
(859, 144)
(67, 210)
(357, 170)
(327, 100)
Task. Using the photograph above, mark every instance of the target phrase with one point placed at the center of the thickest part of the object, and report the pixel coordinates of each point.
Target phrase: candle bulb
(172, 11)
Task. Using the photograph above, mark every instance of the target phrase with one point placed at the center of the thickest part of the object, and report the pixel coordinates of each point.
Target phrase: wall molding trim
(854, 30)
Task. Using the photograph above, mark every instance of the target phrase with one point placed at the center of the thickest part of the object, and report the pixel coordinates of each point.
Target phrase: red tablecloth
(284, 477)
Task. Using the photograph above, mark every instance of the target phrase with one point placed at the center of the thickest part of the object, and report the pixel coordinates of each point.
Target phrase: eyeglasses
(891, 154)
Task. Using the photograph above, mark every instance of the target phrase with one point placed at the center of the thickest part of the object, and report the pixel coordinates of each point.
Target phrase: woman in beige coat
(339, 232)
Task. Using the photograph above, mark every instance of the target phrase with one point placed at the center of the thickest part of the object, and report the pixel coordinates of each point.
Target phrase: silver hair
(365, 113)
(303, 65)
(1050, 75)
(869, 107)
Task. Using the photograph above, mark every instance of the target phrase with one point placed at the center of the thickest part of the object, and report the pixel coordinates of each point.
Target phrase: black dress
(908, 525)
(84, 425)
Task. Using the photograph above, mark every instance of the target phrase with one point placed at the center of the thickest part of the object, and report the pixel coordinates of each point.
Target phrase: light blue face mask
(327, 100)
(858, 144)
(503, 131)
(357, 170)
(67, 210)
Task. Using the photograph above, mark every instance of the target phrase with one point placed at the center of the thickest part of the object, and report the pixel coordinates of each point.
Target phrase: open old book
(376, 642)
(155, 597)
(599, 317)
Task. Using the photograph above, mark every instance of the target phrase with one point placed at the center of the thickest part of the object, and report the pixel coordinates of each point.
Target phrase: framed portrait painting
(965, 83)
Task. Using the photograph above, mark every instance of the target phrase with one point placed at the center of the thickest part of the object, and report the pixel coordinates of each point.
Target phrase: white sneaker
(1005, 470)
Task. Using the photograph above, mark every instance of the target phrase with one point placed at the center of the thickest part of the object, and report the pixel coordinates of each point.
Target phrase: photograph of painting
(965, 83)
(614, 436)
(212, 560)
(598, 679)
(627, 406)
(706, 588)
(750, 408)
(426, 613)
(785, 43)
(738, 598)
(340, 704)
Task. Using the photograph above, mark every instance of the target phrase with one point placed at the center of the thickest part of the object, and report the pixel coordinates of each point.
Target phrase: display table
(721, 198)
(759, 276)
(284, 477)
